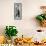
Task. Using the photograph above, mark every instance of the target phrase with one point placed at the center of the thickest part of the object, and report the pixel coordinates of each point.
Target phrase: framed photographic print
(17, 11)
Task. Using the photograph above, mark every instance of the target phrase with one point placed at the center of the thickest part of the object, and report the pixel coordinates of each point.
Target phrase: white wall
(30, 8)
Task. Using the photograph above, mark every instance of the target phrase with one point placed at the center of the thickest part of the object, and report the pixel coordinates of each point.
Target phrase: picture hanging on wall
(17, 11)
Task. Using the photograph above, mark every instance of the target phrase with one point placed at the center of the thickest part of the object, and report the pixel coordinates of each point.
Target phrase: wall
(30, 8)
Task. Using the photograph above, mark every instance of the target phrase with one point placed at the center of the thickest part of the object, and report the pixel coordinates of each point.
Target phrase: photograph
(17, 11)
